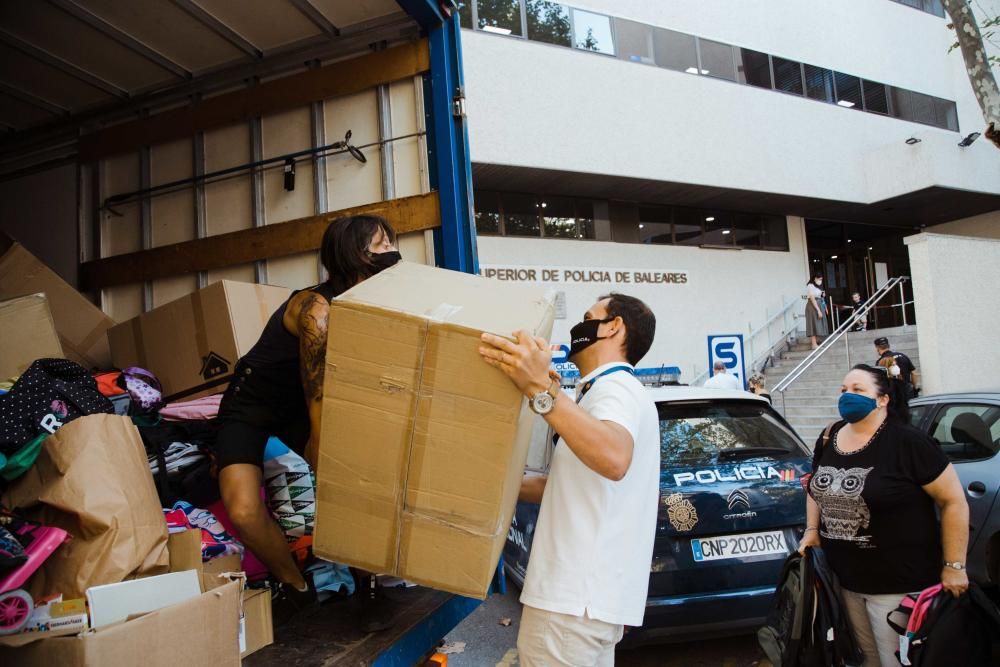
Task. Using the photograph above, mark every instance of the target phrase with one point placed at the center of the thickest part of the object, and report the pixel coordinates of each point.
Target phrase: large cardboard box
(423, 444)
(28, 334)
(81, 325)
(200, 631)
(192, 344)
(256, 628)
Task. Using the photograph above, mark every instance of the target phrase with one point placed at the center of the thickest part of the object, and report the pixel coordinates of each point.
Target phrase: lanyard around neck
(590, 383)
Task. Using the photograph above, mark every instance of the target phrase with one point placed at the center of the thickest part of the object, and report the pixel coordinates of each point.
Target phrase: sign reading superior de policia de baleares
(575, 275)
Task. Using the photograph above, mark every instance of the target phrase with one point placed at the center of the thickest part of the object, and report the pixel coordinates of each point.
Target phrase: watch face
(542, 403)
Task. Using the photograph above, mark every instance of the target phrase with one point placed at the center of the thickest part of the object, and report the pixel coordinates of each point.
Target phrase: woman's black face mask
(583, 335)
(383, 260)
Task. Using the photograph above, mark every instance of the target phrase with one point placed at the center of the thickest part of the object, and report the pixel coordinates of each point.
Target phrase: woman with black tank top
(277, 389)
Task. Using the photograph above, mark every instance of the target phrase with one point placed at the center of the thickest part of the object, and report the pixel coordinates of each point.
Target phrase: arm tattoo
(312, 320)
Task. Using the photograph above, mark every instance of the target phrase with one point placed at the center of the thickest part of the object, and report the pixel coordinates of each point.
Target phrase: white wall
(952, 279)
(728, 291)
(40, 211)
(537, 105)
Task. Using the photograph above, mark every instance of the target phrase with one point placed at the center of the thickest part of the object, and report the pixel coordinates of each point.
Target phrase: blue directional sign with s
(729, 350)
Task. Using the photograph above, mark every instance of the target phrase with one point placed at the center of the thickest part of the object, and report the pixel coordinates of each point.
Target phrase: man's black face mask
(583, 335)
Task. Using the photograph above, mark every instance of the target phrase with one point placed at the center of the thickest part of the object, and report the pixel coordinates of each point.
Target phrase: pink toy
(38, 542)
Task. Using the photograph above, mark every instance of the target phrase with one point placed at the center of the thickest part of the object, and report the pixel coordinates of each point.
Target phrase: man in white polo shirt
(589, 568)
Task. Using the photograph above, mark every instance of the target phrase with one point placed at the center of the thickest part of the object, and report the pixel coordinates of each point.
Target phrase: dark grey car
(967, 427)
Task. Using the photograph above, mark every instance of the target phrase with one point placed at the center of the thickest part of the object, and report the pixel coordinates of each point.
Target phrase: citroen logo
(738, 497)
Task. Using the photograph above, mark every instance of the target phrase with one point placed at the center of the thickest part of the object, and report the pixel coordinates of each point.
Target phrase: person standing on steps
(908, 373)
(588, 574)
(817, 320)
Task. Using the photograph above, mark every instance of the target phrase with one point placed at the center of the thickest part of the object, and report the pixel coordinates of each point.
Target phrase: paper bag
(92, 479)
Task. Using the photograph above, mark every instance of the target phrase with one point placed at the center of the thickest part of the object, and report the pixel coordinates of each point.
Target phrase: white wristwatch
(543, 402)
(956, 565)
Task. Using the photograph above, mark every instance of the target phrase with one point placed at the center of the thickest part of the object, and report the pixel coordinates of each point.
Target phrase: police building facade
(709, 156)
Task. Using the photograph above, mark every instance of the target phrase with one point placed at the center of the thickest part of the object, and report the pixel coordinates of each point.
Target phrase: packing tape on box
(82, 349)
(140, 348)
(265, 309)
(200, 333)
(443, 312)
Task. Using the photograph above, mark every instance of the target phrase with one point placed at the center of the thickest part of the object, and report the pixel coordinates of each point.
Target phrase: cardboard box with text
(423, 444)
(192, 344)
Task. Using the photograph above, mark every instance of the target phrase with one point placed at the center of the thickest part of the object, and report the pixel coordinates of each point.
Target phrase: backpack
(936, 628)
(51, 393)
(786, 627)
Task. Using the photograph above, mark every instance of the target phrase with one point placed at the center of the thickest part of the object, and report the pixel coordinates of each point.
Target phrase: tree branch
(977, 65)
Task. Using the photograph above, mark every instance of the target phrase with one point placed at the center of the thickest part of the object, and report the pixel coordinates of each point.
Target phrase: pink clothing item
(203, 408)
(251, 564)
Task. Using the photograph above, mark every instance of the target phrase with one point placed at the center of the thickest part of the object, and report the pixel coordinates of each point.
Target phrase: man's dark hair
(640, 324)
(344, 251)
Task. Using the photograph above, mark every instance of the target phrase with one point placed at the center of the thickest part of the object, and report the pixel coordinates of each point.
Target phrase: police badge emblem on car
(681, 512)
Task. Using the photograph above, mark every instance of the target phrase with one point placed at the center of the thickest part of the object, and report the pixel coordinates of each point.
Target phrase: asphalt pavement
(484, 640)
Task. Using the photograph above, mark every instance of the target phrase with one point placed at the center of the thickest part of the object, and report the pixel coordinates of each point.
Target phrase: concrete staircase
(810, 403)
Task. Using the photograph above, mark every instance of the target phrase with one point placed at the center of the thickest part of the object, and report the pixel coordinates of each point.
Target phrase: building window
(465, 13)
(500, 16)
(848, 90)
(592, 32)
(930, 6)
(674, 50)
(755, 68)
(876, 97)
(717, 59)
(634, 42)
(787, 75)
(747, 230)
(556, 23)
(774, 232)
(548, 22)
(910, 105)
(517, 214)
(558, 218)
(520, 215)
(655, 226)
(487, 212)
(688, 226)
(819, 83)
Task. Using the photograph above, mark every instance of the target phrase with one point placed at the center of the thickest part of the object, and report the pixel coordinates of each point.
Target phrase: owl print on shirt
(843, 512)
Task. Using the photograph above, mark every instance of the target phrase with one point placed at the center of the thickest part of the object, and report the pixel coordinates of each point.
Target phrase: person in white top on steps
(588, 574)
(721, 379)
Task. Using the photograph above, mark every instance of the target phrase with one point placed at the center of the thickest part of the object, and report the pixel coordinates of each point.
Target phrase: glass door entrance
(861, 258)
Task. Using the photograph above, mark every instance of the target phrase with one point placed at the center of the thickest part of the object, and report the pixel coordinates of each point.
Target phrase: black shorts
(251, 412)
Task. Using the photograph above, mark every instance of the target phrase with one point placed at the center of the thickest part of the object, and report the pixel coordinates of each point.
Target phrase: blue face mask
(855, 407)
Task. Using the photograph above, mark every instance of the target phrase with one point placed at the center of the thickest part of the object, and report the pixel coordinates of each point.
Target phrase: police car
(732, 508)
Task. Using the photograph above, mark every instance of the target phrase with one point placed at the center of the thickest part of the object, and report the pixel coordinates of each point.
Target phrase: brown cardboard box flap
(28, 334)
(419, 476)
(81, 325)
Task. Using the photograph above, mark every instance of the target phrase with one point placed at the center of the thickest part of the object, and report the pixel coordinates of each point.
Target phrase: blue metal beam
(448, 136)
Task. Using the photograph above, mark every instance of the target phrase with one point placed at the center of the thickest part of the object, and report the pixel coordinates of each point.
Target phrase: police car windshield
(710, 431)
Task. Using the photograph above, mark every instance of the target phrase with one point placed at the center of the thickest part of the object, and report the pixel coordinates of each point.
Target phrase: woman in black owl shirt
(874, 486)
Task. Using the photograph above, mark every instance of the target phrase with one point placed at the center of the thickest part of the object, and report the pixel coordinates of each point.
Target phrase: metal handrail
(766, 326)
(832, 339)
(701, 377)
